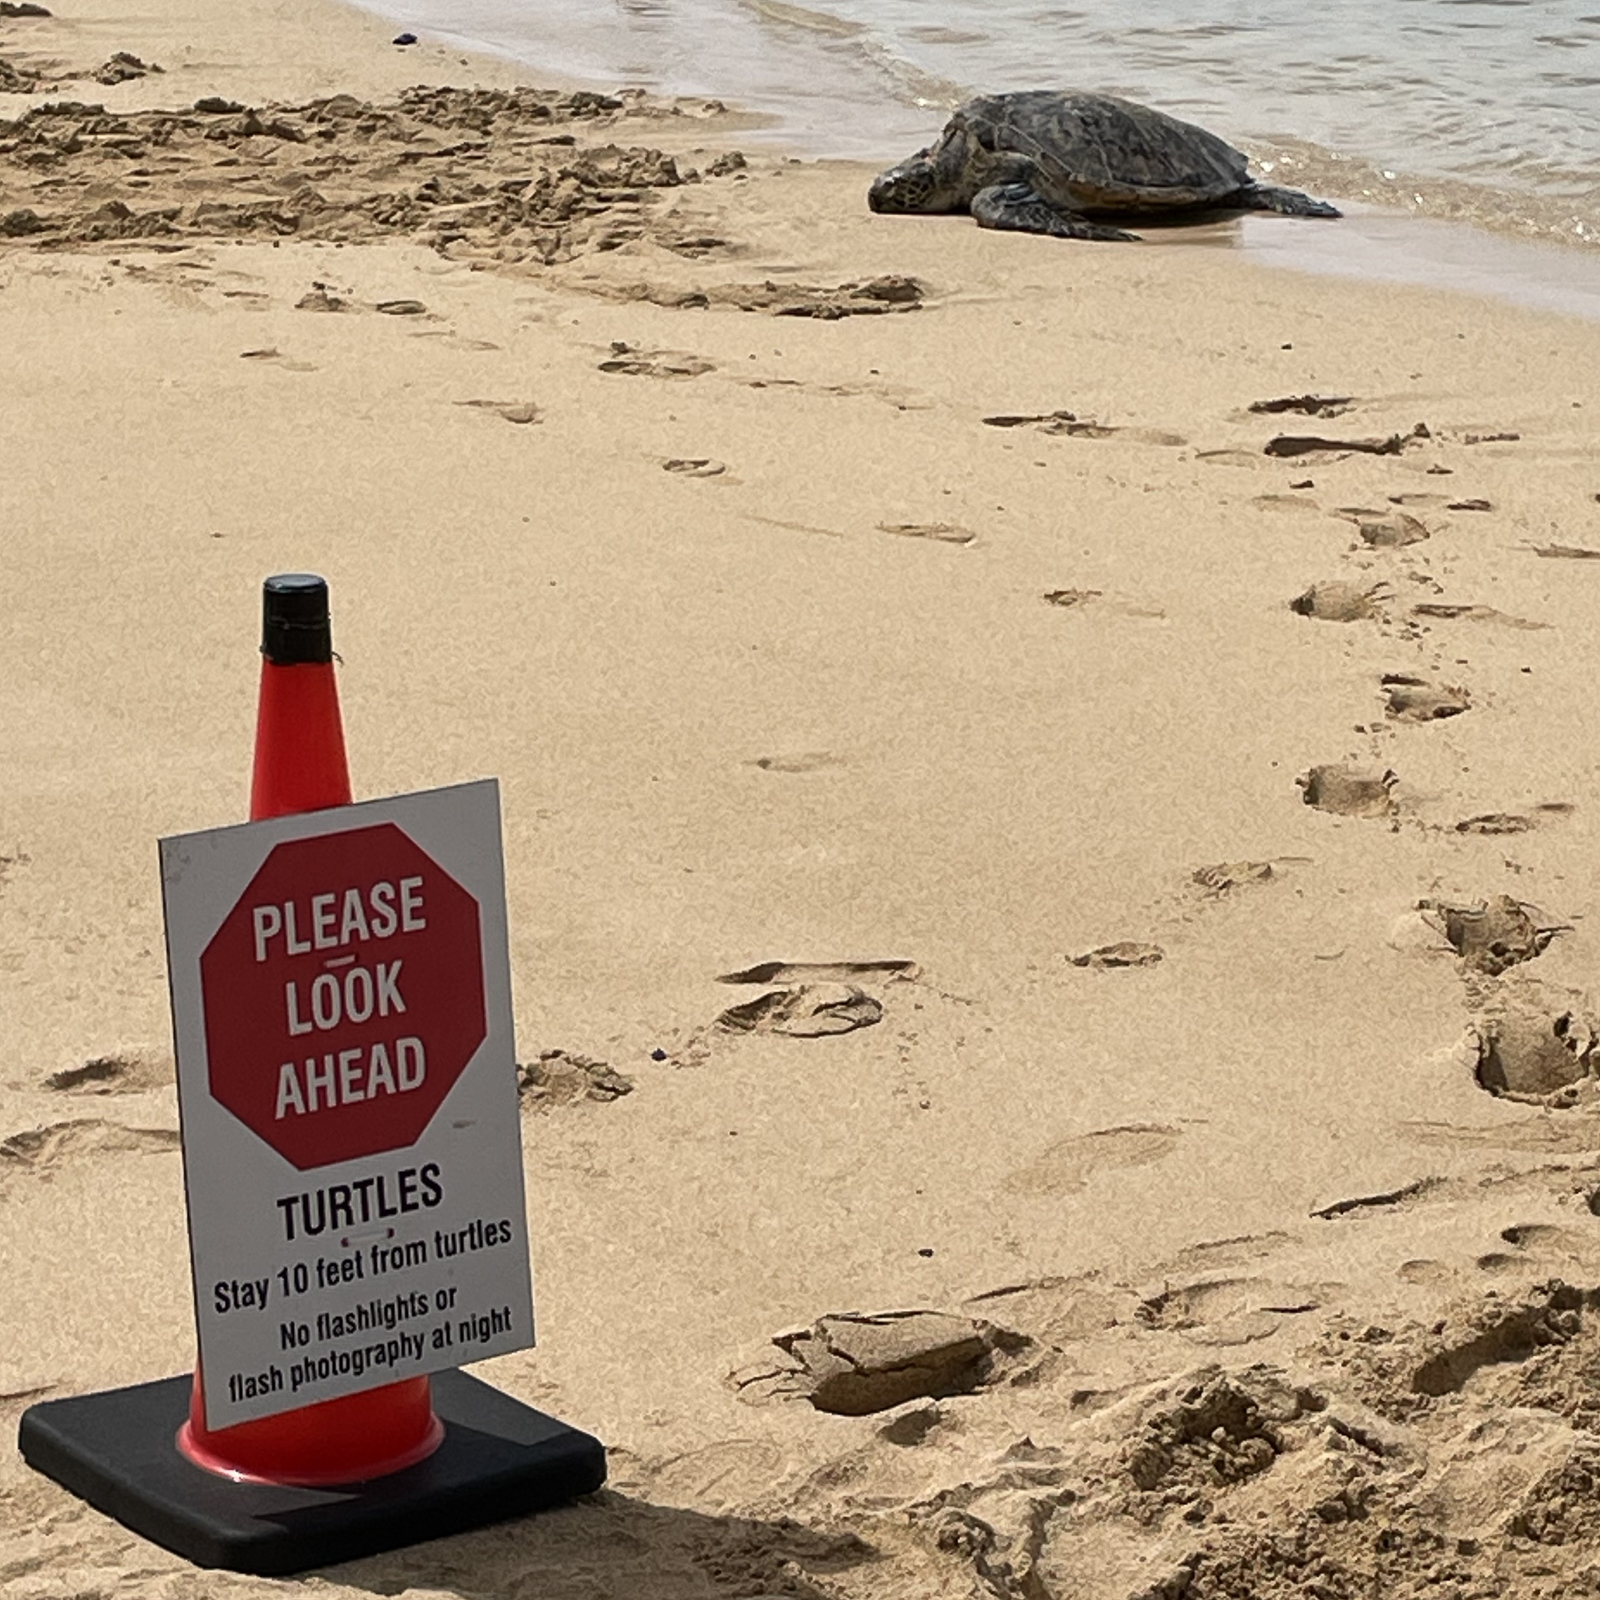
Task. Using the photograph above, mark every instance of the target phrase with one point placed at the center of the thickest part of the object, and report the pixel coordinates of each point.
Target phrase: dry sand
(957, 634)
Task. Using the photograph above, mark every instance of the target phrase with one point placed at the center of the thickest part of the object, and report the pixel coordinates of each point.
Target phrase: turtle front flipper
(1286, 202)
(1018, 209)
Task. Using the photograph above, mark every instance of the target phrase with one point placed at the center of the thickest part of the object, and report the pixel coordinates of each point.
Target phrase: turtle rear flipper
(1018, 209)
(1286, 202)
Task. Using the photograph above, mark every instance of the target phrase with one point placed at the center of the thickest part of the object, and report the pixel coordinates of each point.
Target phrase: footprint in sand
(1070, 425)
(1410, 699)
(39, 1152)
(1564, 552)
(1499, 822)
(1492, 935)
(1437, 610)
(521, 412)
(1218, 881)
(1529, 1051)
(1125, 953)
(1078, 599)
(808, 1011)
(1291, 445)
(127, 1072)
(319, 297)
(1297, 504)
(939, 532)
(271, 355)
(1067, 1166)
(856, 1363)
(822, 971)
(799, 761)
(1336, 600)
(561, 1078)
(1387, 531)
(672, 364)
(1348, 792)
(1307, 405)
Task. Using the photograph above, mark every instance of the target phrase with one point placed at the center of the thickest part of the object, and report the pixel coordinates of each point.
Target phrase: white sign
(341, 1002)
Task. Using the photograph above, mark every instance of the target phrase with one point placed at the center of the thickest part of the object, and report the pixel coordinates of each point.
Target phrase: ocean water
(1479, 110)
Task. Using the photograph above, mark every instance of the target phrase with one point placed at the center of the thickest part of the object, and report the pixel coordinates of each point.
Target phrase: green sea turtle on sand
(1046, 162)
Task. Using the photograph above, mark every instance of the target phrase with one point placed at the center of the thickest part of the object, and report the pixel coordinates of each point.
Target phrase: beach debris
(694, 466)
(1473, 504)
(1348, 792)
(122, 67)
(1304, 444)
(1533, 1050)
(1491, 935)
(855, 1364)
(1337, 600)
(319, 297)
(1490, 438)
(822, 971)
(1393, 531)
(405, 38)
(808, 1011)
(940, 532)
(1072, 597)
(1413, 699)
(1226, 876)
(559, 1077)
(21, 8)
(215, 105)
(400, 308)
(1125, 953)
(1310, 405)
(1565, 552)
(728, 163)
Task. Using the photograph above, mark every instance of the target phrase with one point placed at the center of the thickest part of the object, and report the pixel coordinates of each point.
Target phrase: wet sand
(1047, 787)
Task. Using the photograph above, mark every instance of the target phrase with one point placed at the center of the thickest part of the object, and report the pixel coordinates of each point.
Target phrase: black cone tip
(295, 627)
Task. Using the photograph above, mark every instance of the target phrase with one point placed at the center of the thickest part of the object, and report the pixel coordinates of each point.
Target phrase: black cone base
(499, 1459)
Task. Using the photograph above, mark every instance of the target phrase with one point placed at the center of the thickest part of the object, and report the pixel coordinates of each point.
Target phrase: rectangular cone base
(116, 1450)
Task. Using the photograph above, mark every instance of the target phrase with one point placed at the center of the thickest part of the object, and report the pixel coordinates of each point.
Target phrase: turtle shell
(1094, 151)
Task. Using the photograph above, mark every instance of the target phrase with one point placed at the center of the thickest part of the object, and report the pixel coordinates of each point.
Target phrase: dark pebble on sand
(405, 38)
(658, 1054)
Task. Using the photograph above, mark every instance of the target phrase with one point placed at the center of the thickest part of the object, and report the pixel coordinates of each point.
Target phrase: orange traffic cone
(300, 766)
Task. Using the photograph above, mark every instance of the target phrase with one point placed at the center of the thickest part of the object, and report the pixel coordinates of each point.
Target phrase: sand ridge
(1034, 902)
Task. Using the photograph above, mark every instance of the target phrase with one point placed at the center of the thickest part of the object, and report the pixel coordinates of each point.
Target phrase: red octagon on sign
(343, 995)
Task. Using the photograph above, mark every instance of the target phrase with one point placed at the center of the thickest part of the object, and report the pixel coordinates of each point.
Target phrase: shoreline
(1050, 787)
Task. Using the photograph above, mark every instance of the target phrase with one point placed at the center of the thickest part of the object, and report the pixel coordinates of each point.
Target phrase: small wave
(1525, 213)
(803, 17)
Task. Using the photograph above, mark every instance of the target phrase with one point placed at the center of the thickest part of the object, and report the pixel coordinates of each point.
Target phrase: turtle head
(917, 184)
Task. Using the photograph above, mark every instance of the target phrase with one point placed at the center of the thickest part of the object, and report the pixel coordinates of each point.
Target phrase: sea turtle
(1040, 161)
